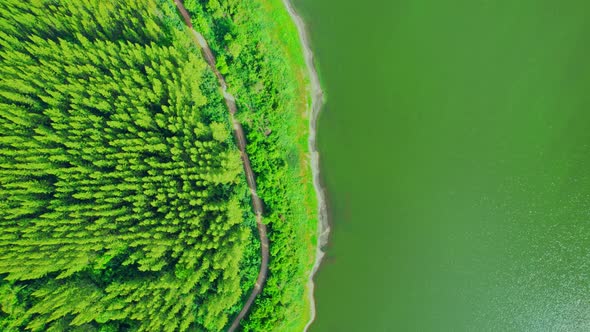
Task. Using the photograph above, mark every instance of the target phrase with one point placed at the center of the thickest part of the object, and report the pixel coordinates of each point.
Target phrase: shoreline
(317, 101)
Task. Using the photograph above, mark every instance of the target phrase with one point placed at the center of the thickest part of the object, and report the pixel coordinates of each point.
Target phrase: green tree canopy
(121, 191)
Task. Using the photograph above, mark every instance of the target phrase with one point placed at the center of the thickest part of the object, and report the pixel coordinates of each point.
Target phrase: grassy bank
(287, 33)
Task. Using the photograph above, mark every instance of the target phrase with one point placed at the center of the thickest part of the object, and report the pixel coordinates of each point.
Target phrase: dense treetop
(121, 192)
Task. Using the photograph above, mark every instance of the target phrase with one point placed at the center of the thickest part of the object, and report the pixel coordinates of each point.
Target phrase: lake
(455, 149)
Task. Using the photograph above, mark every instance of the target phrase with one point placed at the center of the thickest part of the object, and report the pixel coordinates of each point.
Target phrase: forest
(123, 201)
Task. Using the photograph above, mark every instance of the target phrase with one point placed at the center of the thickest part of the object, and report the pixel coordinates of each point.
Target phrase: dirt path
(230, 102)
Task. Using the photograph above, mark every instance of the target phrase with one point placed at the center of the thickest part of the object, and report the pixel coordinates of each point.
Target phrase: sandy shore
(316, 105)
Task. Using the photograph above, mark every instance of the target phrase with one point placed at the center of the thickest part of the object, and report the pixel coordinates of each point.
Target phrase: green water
(456, 152)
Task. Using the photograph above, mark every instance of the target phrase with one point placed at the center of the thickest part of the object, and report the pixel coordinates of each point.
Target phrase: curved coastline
(317, 102)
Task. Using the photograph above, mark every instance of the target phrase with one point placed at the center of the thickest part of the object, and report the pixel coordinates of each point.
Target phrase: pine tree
(119, 195)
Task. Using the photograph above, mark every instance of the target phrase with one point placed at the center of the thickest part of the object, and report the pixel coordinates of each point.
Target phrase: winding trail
(230, 102)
